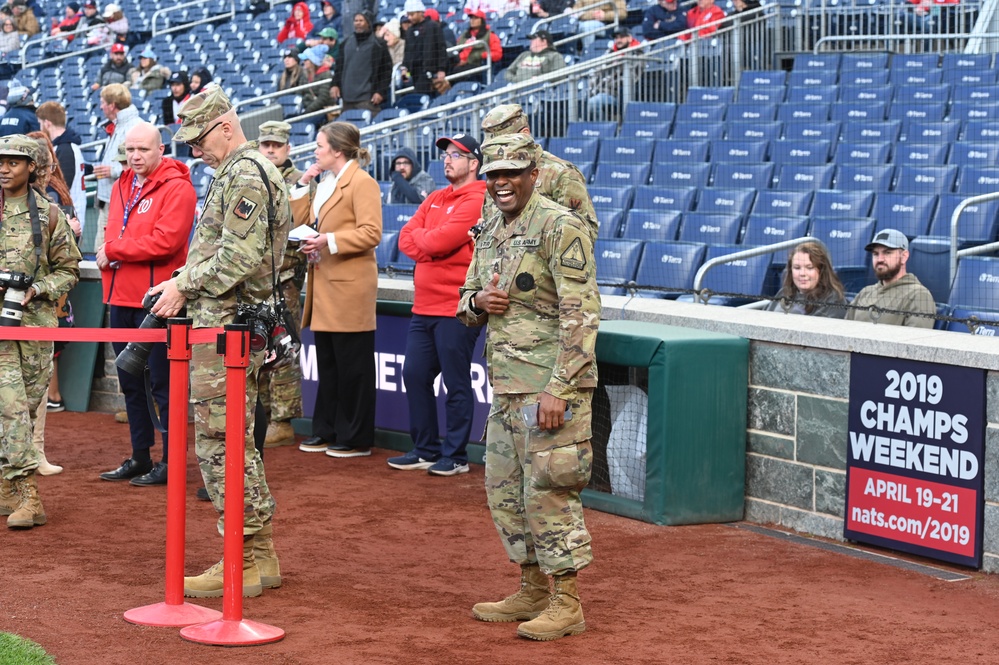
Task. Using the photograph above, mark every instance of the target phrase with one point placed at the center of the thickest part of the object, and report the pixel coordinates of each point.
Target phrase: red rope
(198, 336)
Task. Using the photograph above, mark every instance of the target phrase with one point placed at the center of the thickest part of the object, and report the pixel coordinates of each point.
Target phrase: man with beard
(364, 74)
(896, 289)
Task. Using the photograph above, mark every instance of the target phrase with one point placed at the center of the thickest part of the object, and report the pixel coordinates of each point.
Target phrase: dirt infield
(383, 566)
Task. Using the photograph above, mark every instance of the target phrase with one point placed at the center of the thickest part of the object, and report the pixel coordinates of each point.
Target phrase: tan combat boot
(266, 558)
(29, 512)
(529, 602)
(564, 615)
(45, 468)
(209, 584)
(279, 434)
(8, 498)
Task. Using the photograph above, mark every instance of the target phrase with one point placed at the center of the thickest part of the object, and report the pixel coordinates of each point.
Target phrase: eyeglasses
(196, 143)
(452, 156)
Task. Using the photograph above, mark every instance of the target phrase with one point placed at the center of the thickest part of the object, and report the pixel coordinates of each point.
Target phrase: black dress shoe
(314, 444)
(343, 448)
(158, 476)
(128, 469)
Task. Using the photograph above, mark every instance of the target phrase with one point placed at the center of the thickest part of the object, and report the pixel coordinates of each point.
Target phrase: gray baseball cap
(889, 238)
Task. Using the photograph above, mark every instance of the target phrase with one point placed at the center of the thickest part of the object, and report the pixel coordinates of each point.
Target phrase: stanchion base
(163, 615)
(232, 633)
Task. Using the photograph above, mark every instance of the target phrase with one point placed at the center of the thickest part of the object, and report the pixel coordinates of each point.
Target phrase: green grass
(15, 650)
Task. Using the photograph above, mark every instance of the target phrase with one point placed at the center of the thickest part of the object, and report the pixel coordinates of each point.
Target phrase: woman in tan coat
(345, 208)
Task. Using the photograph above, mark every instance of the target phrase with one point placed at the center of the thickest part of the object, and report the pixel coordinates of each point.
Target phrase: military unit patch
(573, 256)
(245, 208)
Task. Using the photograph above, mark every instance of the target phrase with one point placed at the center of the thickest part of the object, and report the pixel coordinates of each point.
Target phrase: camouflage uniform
(230, 260)
(280, 384)
(544, 342)
(558, 179)
(26, 367)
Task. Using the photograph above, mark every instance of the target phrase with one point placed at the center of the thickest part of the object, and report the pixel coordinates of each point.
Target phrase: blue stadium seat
(669, 265)
(908, 213)
(988, 326)
(812, 131)
(981, 130)
(930, 154)
(929, 260)
(782, 203)
(769, 95)
(609, 174)
(696, 131)
(649, 112)
(809, 77)
(967, 76)
(866, 153)
(863, 93)
(922, 94)
(853, 112)
(625, 151)
(765, 229)
(762, 79)
(674, 150)
(919, 131)
(648, 225)
(865, 77)
(877, 177)
(812, 61)
(975, 110)
(966, 61)
(800, 152)
(702, 113)
(974, 153)
(803, 112)
(753, 131)
(718, 96)
(739, 151)
(914, 61)
(751, 112)
(589, 130)
(586, 168)
(659, 198)
(748, 276)
(645, 130)
(611, 198)
(845, 239)
(925, 179)
(610, 222)
(871, 132)
(833, 203)
(710, 227)
(717, 199)
(978, 223)
(915, 76)
(435, 170)
(402, 263)
(757, 176)
(575, 150)
(974, 285)
(395, 216)
(385, 253)
(970, 92)
(863, 62)
(805, 176)
(681, 174)
(927, 111)
(617, 261)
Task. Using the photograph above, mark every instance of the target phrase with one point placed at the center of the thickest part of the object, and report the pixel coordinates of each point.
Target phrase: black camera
(16, 285)
(135, 356)
(261, 319)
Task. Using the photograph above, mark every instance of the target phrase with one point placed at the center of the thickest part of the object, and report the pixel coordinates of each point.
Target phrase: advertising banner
(915, 458)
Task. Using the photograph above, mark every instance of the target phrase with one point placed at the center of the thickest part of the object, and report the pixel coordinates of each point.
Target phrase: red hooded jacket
(295, 29)
(154, 241)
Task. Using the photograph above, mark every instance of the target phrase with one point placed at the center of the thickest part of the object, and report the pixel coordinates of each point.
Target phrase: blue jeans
(140, 425)
(439, 345)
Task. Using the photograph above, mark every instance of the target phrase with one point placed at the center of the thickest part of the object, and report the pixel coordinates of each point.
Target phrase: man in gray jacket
(410, 183)
(116, 103)
(896, 289)
(364, 72)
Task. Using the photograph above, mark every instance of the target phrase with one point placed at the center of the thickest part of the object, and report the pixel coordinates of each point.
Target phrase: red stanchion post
(232, 629)
(174, 612)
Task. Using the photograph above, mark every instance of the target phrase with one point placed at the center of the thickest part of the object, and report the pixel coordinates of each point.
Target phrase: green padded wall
(76, 363)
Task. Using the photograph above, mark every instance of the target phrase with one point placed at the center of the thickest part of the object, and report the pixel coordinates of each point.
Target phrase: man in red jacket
(150, 215)
(436, 237)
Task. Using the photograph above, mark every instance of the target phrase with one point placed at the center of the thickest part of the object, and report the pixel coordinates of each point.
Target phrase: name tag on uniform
(484, 244)
(525, 242)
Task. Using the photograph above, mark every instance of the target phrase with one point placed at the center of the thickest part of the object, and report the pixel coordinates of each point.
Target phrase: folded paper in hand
(302, 232)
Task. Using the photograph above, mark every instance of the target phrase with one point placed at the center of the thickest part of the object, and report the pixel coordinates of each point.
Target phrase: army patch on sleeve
(573, 256)
(245, 208)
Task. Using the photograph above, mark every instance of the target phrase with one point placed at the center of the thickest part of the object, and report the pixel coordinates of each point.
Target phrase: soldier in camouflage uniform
(532, 281)
(558, 179)
(280, 383)
(25, 367)
(237, 245)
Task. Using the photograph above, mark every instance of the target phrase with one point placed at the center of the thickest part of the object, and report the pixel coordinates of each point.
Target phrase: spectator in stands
(66, 142)
(200, 77)
(69, 24)
(391, 34)
(896, 289)
(114, 30)
(24, 18)
(810, 284)
(180, 92)
(546, 8)
(350, 9)
(479, 40)
(116, 104)
(149, 75)
(364, 75)
(115, 70)
(540, 58)
(297, 26)
(605, 87)
(328, 17)
(20, 116)
(90, 17)
(328, 37)
(410, 183)
(706, 14)
(497, 7)
(745, 5)
(316, 68)
(293, 74)
(10, 38)
(663, 19)
(598, 14)
(425, 59)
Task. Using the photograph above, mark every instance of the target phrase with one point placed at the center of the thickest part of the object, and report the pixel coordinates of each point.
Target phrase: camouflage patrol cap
(275, 131)
(18, 145)
(199, 111)
(504, 119)
(512, 152)
(122, 156)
